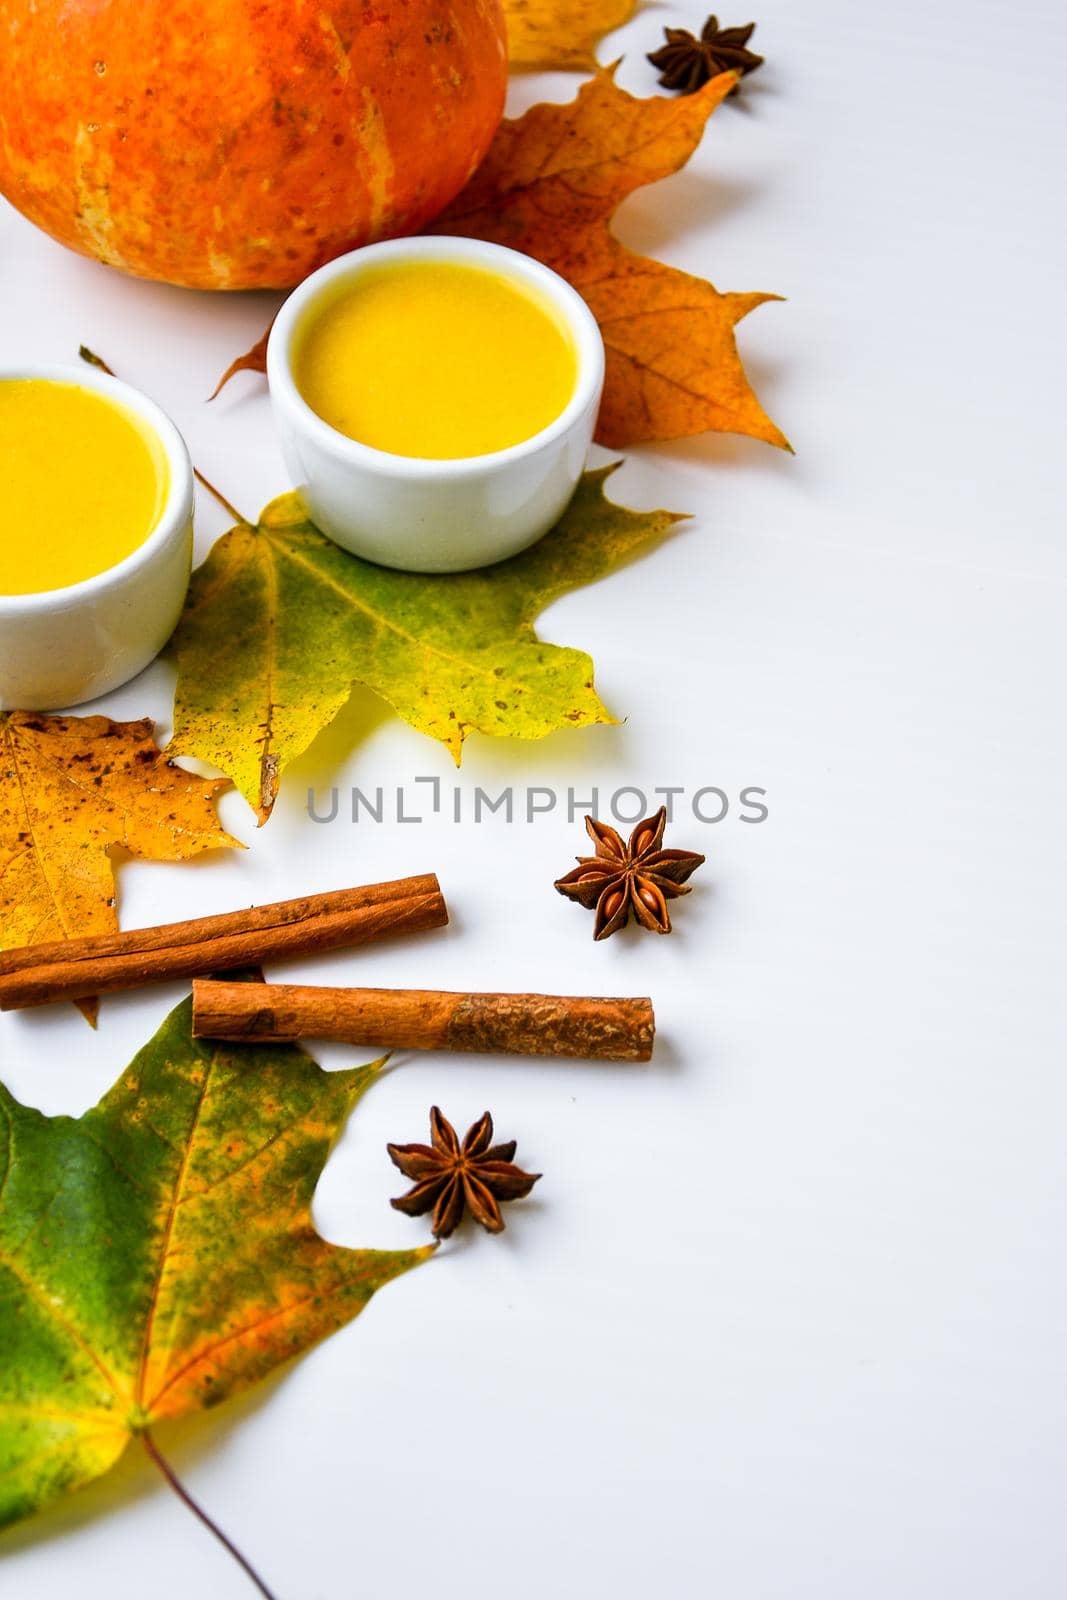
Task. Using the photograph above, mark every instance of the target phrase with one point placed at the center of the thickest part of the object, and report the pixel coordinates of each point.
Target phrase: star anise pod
(452, 1178)
(638, 876)
(686, 62)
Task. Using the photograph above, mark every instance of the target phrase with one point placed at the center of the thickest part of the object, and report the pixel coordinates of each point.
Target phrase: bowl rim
(177, 506)
(583, 326)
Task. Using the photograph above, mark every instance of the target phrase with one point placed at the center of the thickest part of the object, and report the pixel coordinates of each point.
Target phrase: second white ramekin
(433, 515)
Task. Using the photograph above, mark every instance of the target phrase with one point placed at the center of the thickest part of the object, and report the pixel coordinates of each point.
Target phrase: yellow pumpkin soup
(435, 359)
(82, 484)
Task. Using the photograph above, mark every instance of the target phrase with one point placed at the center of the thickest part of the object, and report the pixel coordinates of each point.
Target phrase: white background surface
(786, 1316)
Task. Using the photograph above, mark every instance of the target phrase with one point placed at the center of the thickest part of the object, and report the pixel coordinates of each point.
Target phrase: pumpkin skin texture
(239, 144)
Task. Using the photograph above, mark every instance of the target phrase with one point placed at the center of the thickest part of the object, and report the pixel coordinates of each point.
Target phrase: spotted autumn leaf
(73, 792)
(157, 1255)
(544, 34)
(281, 622)
(549, 187)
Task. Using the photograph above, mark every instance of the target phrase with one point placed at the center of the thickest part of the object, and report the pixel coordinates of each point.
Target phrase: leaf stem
(221, 498)
(198, 1511)
(93, 360)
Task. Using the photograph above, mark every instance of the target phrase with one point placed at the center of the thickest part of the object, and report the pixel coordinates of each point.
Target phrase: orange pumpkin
(238, 144)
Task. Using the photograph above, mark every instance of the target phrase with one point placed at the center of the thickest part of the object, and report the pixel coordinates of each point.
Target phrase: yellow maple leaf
(73, 790)
(560, 33)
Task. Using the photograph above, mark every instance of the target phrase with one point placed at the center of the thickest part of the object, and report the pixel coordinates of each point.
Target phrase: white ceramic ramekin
(433, 515)
(63, 646)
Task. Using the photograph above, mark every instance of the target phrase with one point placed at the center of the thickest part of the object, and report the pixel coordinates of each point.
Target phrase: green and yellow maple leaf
(157, 1255)
(560, 33)
(281, 623)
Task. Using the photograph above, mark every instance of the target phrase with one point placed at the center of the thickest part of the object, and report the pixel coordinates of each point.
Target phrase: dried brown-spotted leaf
(73, 790)
(560, 33)
(549, 187)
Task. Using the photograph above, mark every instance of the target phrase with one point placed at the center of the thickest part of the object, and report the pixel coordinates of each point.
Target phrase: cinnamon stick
(427, 1019)
(73, 969)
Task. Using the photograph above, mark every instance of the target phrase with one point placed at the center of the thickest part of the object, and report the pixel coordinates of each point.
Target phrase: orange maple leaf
(549, 187)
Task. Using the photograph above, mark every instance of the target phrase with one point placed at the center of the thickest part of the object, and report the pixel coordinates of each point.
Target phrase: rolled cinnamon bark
(73, 969)
(427, 1019)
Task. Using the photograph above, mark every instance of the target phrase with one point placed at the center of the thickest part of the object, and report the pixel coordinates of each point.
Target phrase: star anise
(638, 876)
(453, 1177)
(686, 62)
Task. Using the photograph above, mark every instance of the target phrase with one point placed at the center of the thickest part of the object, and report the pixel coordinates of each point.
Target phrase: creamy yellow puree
(435, 359)
(82, 484)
